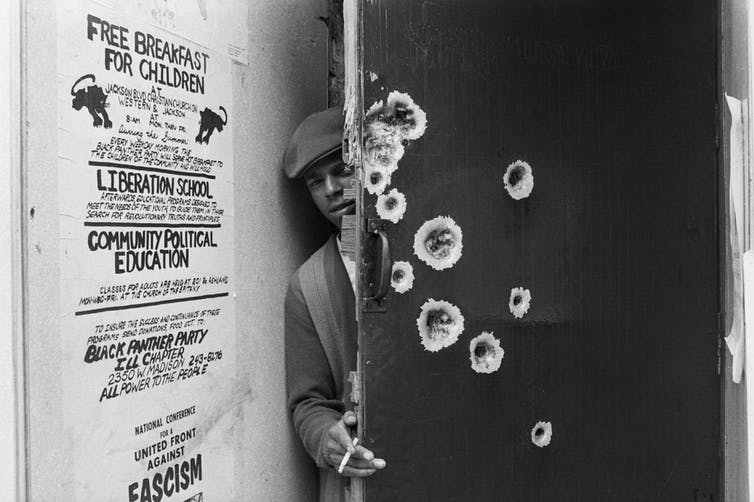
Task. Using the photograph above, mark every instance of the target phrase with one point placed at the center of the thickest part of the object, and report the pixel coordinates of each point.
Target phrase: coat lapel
(343, 305)
(331, 303)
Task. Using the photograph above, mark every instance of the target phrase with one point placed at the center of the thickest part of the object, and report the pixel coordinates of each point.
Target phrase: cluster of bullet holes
(389, 128)
(519, 183)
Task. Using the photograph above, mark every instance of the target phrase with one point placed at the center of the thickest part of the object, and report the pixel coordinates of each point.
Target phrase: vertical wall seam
(19, 273)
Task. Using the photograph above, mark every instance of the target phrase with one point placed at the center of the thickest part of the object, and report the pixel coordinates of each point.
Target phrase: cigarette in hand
(346, 457)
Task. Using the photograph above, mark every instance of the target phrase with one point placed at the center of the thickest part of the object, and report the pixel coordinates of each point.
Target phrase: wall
(276, 229)
(286, 81)
(48, 468)
(11, 460)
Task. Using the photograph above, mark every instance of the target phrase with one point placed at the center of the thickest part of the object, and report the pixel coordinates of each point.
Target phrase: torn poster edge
(735, 341)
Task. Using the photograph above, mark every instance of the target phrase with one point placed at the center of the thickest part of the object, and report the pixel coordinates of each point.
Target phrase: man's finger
(334, 459)
(333, 446)
(340, 434)
(357, 473)
(349, 418)
(357, 463)
(362, 452)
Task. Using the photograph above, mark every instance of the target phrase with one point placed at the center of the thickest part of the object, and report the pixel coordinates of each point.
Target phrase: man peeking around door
(320, 314)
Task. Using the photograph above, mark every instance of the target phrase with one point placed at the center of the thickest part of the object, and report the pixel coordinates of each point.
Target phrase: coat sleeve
(312, 399)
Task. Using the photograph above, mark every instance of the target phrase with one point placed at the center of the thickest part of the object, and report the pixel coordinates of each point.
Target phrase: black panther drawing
(94, 99)
(209, 122)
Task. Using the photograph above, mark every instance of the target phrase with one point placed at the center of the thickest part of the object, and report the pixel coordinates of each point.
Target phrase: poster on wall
(217, 24)
(145, 186)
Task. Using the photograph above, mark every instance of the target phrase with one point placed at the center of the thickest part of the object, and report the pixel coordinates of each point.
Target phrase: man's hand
(362, 462)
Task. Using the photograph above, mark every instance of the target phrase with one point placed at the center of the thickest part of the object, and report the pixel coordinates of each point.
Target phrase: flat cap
(319, 135)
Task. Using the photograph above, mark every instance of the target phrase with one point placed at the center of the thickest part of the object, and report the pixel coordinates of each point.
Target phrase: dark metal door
(612, 105)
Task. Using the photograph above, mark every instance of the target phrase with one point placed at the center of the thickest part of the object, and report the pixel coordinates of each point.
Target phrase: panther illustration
(209, 121)
(94, 99)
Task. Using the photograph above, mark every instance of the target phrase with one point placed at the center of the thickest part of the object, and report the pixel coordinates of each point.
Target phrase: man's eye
(344, 170)
(314, 183)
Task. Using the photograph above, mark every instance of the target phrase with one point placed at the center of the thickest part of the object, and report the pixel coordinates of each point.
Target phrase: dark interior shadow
(309, 229)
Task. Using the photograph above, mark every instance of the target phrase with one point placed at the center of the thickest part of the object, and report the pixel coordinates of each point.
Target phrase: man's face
(326, 181)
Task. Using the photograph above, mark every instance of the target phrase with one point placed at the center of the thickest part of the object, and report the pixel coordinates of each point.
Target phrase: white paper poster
(735, 339)
(217, 24)
(145, 178)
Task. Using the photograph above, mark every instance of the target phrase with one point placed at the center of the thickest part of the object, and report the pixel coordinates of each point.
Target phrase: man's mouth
(343, 208)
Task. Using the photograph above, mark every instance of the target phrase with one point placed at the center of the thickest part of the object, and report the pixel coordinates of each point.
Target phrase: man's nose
(332, 186)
